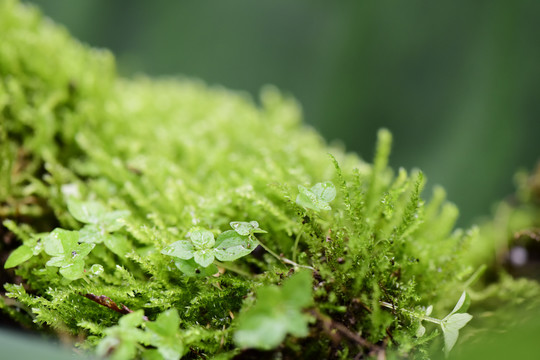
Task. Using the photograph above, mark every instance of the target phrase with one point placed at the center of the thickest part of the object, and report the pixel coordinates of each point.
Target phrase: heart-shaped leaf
(165, 336)
(277, 312)
(246, 228)
(318, 197)
(113, 220)
(73, 270)
(118, 244)
(181, 249)
(204, 257)
(202, 239)
(324, 191)
(230, 245)
(87, 212)
(93, 212)
(92, 234)
(60, 241)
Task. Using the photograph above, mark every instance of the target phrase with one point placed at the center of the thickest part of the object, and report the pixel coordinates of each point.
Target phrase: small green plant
(66, 252)
(318, 197)
(203, 248)
(450, 324)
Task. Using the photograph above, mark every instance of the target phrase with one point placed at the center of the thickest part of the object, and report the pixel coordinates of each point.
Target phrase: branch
(108, 303)
(330, 326)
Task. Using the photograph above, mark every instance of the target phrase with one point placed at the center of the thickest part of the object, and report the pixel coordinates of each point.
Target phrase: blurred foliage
(457, 82)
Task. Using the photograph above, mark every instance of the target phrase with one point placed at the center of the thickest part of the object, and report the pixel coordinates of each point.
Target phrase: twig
(108, 303)
(328, 325)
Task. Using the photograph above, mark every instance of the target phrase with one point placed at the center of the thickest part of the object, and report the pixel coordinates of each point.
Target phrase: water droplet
(96, 269)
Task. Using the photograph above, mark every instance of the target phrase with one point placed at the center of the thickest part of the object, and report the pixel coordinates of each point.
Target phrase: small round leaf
(202, 239)
(182, 249)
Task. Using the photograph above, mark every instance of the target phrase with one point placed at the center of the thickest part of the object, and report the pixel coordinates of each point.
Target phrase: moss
(177, 155)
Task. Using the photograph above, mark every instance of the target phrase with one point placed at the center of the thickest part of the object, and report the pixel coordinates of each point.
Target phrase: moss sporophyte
(162, 219)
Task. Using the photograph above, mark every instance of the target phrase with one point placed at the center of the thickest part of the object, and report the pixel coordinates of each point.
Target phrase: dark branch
(334, 328)
(107, 302)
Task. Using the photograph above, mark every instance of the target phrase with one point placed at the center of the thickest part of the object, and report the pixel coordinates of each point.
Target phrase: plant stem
(270, 251)
(475, 276)
(284, 260)
(296, 241)
(290, 262)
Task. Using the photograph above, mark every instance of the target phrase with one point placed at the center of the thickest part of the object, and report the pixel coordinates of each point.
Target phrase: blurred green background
(457, 82)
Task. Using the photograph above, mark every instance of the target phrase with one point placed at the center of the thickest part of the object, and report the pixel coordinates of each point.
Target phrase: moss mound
(122, 193)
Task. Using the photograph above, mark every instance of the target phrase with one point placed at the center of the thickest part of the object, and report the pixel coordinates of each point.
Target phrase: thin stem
(290, 262)
(296, 241)
(475, 276)
(270, 251)
(284, 260)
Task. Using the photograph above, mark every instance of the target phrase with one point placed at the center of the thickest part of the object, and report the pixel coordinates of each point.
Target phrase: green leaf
(151, 354)
(166, 323)
(420, 331)
(74, 270)
(202, 239)
(122, 340)
(69, 240)
(58, 261)
(113, 220)
(242, 228)
(82, 250)
(450, 326)
(277, 312)
(92, 234)
(18, 256)
(306, 198)
(118, 244)
(462, 305)
(133, 319)
(297, 289)
(88, 212)
(191, 268)
(53, 244)
(230, 245)
(165, 336)
(324, 191)
(92, 212)
(204, 257)
(181, 249)
(318, 197)
(246, 228)
(66, 252)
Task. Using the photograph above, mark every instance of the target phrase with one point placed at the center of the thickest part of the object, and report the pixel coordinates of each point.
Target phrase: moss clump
(125, 168)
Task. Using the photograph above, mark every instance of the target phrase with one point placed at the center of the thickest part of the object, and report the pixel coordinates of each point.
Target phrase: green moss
(175, 155)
